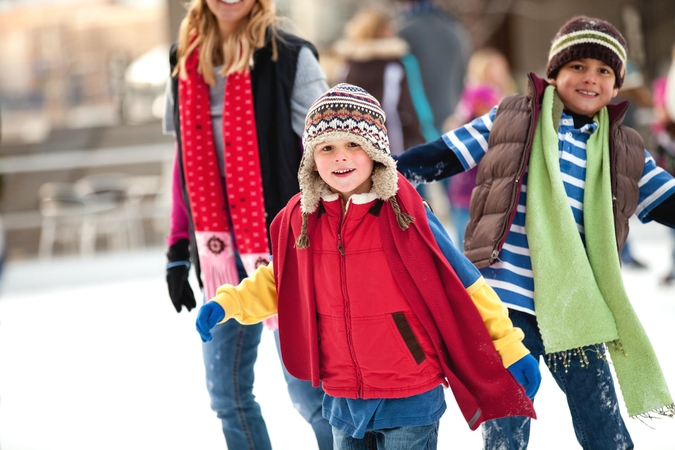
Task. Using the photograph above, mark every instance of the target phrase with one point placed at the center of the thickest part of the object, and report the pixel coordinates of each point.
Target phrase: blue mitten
(526, 372)
(208, 317)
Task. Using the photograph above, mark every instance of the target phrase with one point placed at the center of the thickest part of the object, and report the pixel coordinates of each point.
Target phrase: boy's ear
(552, 82)
(615, 92)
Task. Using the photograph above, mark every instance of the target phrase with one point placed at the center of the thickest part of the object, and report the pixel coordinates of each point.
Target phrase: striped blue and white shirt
(511, 276)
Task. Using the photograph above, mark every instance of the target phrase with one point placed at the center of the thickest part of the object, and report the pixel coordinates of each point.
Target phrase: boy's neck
(579, 119)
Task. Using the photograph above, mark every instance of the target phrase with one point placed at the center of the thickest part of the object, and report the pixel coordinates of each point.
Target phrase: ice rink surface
(94, 357)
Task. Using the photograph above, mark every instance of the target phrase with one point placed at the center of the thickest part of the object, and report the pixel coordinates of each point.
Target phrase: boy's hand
(209, 315)
(526, 372)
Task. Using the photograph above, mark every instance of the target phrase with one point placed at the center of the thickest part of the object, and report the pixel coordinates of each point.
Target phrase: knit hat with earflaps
(588, 37)
(347, 112)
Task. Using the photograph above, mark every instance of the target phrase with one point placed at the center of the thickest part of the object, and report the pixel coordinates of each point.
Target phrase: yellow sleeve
(506, 338)
(253, 300)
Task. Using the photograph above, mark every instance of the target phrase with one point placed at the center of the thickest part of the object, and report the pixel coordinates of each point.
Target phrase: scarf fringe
(618, 347)
(657, 414)
(566, 357)
(216, 274)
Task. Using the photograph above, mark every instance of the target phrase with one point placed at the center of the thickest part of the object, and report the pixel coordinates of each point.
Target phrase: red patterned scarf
(219, 234)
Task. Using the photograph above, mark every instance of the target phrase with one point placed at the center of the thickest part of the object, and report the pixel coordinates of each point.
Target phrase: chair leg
(134, 222)
(88, 235)
(47, 238)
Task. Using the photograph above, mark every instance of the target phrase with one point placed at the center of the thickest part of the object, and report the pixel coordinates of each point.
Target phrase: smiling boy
(374, 301)
(558, 179)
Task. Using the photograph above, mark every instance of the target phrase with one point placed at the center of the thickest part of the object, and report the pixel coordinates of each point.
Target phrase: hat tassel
(404, 220)
(302, 241)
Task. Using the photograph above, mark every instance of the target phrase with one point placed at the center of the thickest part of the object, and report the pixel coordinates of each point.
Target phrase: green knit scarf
(580, 299)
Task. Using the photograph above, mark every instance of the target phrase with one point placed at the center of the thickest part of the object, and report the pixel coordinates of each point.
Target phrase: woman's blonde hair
(200, 29)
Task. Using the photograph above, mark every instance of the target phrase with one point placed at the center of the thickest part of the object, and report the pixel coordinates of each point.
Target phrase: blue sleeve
(656, 185)
(454, 152)
(470, 142)
(466, 271)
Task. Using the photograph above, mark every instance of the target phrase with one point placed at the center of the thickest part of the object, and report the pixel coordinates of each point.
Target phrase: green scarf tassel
(580, 298)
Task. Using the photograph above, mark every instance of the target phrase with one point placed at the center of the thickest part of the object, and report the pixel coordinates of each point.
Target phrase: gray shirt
(310, 83)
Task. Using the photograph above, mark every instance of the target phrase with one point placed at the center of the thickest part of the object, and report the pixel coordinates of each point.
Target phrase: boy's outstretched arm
(456, 151)
(664, 213)
(252, 301)
(428, 162)
(506, 338)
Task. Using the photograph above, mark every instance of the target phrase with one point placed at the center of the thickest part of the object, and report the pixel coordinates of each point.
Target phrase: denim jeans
(307, 400)
(591, 398)
(399, 438)
(229, 359)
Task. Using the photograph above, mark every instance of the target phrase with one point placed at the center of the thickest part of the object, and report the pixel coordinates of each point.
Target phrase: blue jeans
(591, 397)
(399, 438)
(307, 400)
(229, 359)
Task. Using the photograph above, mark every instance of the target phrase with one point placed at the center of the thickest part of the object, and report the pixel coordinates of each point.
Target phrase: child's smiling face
(344, 166)
(585, 85)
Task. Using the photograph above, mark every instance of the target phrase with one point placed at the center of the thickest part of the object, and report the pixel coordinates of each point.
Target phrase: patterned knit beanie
(586, 37)
(347, 112)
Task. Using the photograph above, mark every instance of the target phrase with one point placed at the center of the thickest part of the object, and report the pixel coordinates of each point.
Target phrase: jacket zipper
(345, 298)
(513, 206)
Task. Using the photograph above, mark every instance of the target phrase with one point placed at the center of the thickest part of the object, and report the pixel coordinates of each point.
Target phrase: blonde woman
(237, 101)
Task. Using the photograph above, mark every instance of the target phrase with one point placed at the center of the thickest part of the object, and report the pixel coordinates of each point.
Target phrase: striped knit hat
(587, 37)
(347, 112)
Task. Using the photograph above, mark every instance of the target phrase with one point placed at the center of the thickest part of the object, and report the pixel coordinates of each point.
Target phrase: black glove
(177, 271)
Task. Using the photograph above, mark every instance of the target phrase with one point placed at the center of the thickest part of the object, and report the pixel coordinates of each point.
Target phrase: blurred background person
(442, 47)
(663, 128)
(488, 79)
(374, 60)
(224, 110)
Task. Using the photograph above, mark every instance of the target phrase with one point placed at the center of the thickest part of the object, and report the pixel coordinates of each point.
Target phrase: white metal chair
(62, 210)
(105, 196)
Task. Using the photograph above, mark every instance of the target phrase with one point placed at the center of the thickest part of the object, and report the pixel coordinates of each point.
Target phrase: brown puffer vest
(500, 173)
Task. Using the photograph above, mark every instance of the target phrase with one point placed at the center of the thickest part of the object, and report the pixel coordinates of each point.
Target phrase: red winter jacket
(372, 344)
(439, 312)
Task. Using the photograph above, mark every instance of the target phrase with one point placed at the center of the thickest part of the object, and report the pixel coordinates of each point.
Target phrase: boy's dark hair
(588, 37)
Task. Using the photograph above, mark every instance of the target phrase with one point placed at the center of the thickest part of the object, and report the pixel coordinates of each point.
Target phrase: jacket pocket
(409, 337)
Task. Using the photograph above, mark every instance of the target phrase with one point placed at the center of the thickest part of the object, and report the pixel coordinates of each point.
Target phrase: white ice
(94, 357)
